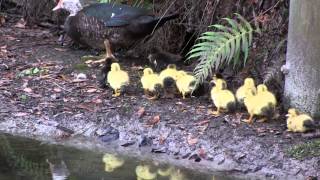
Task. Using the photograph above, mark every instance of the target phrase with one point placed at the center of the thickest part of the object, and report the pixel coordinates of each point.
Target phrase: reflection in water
(25, 159)
(143, 173)
(58, 171)
(112, 162)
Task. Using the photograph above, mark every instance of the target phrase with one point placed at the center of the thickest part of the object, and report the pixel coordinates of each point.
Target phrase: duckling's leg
(250, 120)
(116, 93)
(216, 113)
(153, 97)
(183, 95)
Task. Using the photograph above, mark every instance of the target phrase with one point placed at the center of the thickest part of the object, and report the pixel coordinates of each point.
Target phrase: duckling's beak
(59, 6)
(287, 115)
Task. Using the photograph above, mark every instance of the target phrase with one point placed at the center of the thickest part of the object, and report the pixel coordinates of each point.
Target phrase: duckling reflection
(165, 171)
(177, 175)
(174, 174)
(112, 162)
(143, 173)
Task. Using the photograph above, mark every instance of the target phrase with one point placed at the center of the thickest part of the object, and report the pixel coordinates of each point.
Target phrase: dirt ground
(42, 94)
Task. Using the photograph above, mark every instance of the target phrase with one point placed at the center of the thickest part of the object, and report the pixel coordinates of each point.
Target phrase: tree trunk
(302, 83)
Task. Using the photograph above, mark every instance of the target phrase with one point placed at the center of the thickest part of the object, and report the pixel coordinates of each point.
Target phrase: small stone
(81, 76)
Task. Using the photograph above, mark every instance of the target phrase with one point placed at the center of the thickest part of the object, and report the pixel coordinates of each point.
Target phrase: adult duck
(105, 25)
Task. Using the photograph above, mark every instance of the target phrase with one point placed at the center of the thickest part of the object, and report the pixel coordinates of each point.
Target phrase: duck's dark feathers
(122, 25)
(114, 15)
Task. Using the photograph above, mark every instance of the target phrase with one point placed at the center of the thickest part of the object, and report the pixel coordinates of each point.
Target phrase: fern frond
(222, 46)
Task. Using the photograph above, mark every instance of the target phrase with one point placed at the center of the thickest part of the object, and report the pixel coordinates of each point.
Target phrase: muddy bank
(44, 97)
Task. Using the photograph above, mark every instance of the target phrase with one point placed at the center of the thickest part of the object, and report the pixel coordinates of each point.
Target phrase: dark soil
(54, 103)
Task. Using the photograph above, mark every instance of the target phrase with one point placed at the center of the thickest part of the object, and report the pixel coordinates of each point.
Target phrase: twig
(59, 85)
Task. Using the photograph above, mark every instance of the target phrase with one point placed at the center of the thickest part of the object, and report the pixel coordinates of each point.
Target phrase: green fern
(224, 46)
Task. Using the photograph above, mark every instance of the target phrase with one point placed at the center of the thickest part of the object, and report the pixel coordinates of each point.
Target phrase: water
(25, 159)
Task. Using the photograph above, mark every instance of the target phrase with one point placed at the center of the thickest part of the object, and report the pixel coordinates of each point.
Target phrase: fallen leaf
(201, 123)
(202, 153)
(97, 101)
(91, 90)
(140, 112)
(155, 120)
(191, 140)
(2, 20)
(60, 49)
(20, 114)
(82, 106)
(21, 24)
(162, 140)
(28, 90)
(56, 89)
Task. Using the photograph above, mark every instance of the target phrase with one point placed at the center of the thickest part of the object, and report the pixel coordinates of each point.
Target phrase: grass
(305, 150)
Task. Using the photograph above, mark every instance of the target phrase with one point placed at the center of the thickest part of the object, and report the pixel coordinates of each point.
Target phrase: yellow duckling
(259, 105)
(112, 162)
(117, 79)
(169, 76)
(222, 98)
(143, 173)
(248, 85)
(151, 83)
(185, 83)
(263, 91)
(297, 122)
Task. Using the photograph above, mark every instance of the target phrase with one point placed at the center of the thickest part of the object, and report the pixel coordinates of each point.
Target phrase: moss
(305, 150)
(80, 67)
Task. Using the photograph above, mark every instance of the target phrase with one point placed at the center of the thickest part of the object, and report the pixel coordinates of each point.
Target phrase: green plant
(305, 150)
(223, 46)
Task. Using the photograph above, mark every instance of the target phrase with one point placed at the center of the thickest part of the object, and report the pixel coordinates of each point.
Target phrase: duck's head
(171, 66)
(292, 112)
(147, 71)
(72, 6)
(249, 82)
(115, 67)
(262, 88)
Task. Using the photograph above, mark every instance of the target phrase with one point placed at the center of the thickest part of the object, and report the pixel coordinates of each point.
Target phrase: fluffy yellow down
(150, 79)
(248, 86)
(117, 78)
(143, 173)
(298, 122)
(112, 162)
(170, 71)
(221, 97)
(261, 104)
(262, 91)
(185, 83)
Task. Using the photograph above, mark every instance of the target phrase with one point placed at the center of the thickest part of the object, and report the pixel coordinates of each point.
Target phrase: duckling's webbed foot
(116, 93)
(153, 97)
(249, 121)
(215, 113)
